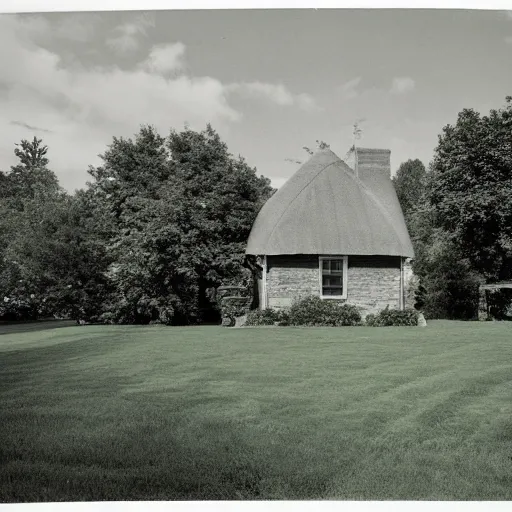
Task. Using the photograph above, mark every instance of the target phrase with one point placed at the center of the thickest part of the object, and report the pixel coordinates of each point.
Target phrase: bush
(144, 311)
(393, 317)
(314, 311)
(499, 302)
(262, 317)
(283, 317)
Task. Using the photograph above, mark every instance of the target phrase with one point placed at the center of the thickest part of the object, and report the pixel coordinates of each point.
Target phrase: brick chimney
(372, 165)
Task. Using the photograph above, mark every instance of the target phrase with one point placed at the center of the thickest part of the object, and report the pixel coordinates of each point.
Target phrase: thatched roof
(328, 208)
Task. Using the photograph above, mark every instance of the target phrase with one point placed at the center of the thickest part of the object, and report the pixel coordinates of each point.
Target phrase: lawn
(155, 413)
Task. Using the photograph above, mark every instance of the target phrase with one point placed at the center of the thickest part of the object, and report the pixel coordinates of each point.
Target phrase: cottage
(334, 229)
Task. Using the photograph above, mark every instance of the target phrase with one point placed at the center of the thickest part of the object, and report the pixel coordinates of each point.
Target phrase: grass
(152, 413)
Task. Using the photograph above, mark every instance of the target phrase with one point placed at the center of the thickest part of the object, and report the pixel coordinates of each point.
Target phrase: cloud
(348, 89)
(30, 127)
(82, 108)
(402, 85)
(163, 59)
(77, 27)
(127, 36)
(85, 107)
(276, 93)
(508, 39)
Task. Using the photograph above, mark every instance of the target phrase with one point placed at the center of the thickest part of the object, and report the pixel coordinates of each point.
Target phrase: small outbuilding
(335, 229)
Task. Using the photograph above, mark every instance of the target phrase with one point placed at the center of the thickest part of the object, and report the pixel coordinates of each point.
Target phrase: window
(333, 277)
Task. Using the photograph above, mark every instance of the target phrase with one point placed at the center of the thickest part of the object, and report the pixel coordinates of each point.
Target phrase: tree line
(163, 221)
(459, 214)
(161, 224)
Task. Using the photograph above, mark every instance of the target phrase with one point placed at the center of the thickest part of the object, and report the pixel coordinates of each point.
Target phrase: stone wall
(291, 277)
(372, 283)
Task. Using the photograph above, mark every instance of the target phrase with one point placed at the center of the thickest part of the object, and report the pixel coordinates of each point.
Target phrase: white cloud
(276, 93)
(402, 85)
(79, 109)
(163, 59)
(349, 89)
(84, 108)
(127, 36)
(307, 102)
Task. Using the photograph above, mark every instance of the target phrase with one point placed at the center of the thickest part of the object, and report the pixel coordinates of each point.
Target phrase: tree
(448, 285)
(53, 265)
(409, 182)
(225, 196)
(52, 257)
(180, 210)
(471, 189)
(31, 173)
(30, 180)
(461, 227)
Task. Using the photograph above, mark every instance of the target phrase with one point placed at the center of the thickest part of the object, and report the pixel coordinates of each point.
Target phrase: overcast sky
(270, 82)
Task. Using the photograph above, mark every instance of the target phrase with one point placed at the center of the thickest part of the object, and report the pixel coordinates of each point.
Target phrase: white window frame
(345, 274)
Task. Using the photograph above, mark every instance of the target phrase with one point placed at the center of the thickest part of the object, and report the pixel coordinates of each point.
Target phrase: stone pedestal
(234, 305)
(483, 306)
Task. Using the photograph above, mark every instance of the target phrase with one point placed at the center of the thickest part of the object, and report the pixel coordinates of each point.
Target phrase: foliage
(392, 317)
(267, 316)
(499, 303)
(30, 175)
(409, 182)
(314, 311)
(448, 284)
(461, 227)
(180, 210)
(52, 262)
(420, 297)
(470, 189)
(283, 317)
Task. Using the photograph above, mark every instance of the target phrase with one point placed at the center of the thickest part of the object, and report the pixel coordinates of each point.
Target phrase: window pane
(332, 277)
(332, 291)
(332, 281)
(336, 266)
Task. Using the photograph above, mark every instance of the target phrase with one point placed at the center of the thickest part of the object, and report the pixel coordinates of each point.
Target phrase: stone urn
(234, 304)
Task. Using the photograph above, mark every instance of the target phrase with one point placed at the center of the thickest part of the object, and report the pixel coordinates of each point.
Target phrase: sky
(269, 81)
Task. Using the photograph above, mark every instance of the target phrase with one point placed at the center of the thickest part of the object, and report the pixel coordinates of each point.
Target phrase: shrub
(144, 311)
(283, 317)
(499, 302)
(393, 317)
(314, 311)
(262, 317)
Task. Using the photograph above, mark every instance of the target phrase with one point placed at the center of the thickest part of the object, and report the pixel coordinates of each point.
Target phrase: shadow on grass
(34, 326)
(163, 459)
